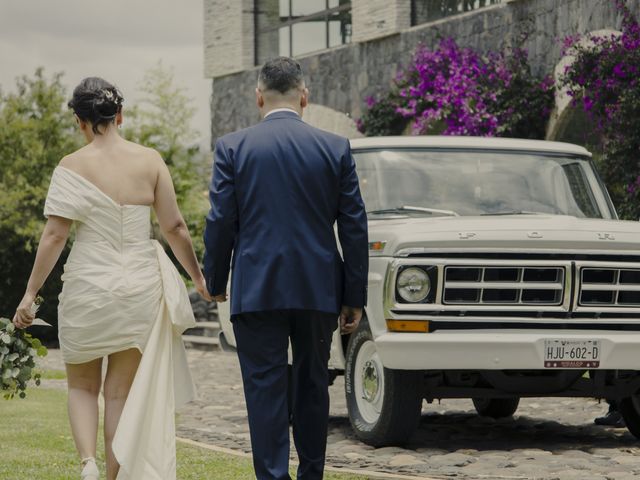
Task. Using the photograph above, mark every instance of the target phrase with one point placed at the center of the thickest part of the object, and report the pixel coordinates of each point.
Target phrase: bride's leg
(84, 387)
(121, 369)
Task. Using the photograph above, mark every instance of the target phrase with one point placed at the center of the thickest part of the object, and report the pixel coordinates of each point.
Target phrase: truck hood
(398, 233)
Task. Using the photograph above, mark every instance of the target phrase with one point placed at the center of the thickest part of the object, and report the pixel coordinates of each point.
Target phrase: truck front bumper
(499, 350)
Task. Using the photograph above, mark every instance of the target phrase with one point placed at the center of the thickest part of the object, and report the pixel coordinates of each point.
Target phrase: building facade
(353, 49)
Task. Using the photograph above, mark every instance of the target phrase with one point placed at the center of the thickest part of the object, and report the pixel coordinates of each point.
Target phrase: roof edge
(468, 142)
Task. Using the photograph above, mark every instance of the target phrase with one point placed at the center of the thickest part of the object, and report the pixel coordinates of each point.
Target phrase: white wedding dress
(121, 291)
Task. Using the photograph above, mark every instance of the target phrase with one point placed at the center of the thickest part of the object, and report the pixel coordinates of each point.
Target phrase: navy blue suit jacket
(277, 190)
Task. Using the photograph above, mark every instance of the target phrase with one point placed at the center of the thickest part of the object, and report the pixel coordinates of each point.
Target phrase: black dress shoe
(611, 419)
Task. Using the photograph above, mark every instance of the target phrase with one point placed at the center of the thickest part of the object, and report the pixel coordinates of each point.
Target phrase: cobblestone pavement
(547, 438)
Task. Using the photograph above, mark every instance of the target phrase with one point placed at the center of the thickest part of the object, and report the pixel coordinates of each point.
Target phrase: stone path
(547, 439)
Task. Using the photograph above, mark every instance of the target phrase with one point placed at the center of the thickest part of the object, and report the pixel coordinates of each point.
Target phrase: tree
(162, 120)
(37, 131)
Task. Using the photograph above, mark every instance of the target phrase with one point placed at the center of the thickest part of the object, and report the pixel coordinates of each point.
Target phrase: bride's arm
(52, 242)
(175, 229)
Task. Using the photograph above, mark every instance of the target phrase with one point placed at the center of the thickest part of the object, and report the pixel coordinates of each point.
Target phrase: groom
(277, 190)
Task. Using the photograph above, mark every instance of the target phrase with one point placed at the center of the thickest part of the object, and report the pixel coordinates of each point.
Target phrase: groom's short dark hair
(281, 74)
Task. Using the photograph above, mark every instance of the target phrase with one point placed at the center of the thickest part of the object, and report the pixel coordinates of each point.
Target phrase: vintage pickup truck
(498, 270)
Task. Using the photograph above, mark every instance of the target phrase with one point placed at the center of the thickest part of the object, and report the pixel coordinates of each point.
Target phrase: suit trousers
(262, 340)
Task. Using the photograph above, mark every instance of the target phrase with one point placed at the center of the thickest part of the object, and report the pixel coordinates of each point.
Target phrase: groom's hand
(220, 298)
(349, 319)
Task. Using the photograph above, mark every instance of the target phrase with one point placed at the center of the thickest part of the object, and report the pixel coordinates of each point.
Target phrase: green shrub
(37, 131)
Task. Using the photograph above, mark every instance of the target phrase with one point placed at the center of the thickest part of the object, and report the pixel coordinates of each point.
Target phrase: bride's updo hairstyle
(96, 101)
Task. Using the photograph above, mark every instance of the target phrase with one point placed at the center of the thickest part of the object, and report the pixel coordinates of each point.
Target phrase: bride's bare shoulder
(137, 156)
(72, 159)
(145, 153)
(148, 161)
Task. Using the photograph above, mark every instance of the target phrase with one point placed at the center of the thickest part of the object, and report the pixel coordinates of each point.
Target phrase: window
(423, 11)
(296, 27)
(481, 182)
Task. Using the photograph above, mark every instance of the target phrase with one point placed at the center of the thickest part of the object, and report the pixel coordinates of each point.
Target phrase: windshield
(472, 182)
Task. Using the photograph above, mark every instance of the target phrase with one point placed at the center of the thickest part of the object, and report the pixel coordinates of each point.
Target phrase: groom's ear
(259, 98)
(304, 99)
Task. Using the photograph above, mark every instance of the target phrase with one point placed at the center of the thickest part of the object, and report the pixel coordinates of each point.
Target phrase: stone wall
(378, 18)
(342, 77)
(430, 10)
(228, 36)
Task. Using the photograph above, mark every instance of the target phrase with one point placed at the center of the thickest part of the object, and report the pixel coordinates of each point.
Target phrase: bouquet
(18, 350)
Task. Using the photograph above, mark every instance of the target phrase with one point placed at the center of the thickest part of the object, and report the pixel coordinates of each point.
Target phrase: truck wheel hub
(370, 383)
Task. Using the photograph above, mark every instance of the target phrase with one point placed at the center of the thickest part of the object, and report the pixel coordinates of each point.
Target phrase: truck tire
(496, 407)
(384, 405)
(630, 410)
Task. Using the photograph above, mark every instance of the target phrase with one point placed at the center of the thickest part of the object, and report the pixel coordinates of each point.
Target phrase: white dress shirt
(275, 110)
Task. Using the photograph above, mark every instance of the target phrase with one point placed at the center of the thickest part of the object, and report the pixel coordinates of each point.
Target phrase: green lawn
(53, 374)
(36, 443)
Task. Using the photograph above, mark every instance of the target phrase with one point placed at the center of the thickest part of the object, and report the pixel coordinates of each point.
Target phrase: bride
(122, 298)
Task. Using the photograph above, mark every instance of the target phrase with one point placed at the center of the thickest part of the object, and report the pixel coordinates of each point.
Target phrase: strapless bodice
(99, 218)
(129, 224)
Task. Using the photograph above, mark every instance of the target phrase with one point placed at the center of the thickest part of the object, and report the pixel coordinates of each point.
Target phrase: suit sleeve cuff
(355, 298)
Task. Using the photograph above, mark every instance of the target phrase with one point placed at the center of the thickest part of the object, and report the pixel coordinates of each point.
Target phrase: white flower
(18, 350)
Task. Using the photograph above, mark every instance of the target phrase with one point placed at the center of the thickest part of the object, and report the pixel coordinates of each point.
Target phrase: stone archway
(569, 123)
(572, 125)
(331, 120)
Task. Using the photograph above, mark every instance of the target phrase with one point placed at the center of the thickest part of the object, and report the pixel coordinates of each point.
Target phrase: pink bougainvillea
(603, 81)
(452, 90)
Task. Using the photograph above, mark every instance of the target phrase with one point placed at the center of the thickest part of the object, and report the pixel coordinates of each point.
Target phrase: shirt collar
(276, 110)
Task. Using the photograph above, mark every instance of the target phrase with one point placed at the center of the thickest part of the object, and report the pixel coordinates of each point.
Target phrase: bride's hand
(24, 316)
(201, 287)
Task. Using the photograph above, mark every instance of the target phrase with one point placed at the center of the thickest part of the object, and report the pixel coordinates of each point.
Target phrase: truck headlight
(413, 284)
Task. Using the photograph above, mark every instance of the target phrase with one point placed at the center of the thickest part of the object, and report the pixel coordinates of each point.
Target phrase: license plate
(562, 353)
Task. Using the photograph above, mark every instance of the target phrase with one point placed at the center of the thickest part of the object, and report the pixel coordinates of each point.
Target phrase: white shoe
(90, 469)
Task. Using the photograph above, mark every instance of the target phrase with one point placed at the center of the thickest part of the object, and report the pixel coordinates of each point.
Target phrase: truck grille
(613, 287)
(512, 285)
